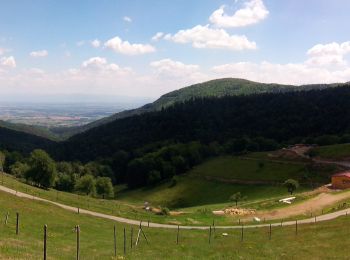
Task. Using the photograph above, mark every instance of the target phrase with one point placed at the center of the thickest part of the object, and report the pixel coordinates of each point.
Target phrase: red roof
(342, 174)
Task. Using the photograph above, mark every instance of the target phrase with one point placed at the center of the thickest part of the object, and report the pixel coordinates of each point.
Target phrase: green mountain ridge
(213, 88)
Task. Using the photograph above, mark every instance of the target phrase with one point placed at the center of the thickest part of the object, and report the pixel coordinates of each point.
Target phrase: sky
(138, 48)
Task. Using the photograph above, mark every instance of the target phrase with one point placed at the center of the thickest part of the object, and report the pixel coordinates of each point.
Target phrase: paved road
(324, 217)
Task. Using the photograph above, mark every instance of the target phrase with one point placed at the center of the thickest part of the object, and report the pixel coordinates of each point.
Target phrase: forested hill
(213, 88)
(29, 129)
(13, 140)
(282, 117)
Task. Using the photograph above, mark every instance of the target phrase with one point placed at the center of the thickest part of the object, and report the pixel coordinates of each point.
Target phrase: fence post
(78, 241)
(45, 245)
(270, 232)
(177, 236)
(124, 242)
(7, 217)
(131, 235)
(315, 219)
(17, 223)
(296, 227)
(209, 234)
(115, 241)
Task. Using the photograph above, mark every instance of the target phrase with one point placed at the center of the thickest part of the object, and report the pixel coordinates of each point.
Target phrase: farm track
(324, 217)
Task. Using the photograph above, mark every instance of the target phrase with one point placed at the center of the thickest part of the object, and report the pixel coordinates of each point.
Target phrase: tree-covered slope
(23, 142)
(213, 88)
(29, 129)
(278, 116)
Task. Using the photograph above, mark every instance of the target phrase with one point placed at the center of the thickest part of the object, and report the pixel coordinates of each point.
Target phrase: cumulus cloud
(100, 64)
(124, 47)
(291, 73)
(157, 36)
(38, 54)
(168, 75)
(252, 12)
(95, 43)
(328, 54)
(127, 19)
(9, 62)
(205, 37)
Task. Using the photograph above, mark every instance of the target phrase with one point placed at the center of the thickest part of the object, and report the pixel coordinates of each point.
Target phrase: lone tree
(104, 187)
(236, 197)
(42, 169)
(291, 185)
(86, 184)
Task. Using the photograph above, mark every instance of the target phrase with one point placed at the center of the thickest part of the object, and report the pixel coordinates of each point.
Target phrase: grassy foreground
(315, 241)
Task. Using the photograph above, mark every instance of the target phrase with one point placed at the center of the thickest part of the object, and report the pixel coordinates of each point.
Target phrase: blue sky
(106, 47)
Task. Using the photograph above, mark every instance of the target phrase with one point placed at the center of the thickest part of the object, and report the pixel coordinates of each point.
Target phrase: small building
(341, 180)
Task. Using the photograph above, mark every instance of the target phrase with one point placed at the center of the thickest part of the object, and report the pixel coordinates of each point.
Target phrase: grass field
(194, 194)
(338, 151)
(324, 240)
(230, 167)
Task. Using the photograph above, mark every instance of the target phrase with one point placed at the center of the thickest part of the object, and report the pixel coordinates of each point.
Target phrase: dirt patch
(305, 208)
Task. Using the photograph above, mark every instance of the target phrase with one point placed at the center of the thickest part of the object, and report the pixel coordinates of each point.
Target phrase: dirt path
(305, 208)
(325, 217)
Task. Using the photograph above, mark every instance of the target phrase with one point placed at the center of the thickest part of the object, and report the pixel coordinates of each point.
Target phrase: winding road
(324, 217)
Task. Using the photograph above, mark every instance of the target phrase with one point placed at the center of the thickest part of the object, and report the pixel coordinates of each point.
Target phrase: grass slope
(334, 152)
(326, 240)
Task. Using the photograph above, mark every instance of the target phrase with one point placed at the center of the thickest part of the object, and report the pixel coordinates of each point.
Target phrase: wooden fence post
(17, 223)
(270, 232)
(78, 241)
(177, 236)
(131, 235)
(209, 234)
(45, 245)
(7, 218)
(124, 242)
(115, 241)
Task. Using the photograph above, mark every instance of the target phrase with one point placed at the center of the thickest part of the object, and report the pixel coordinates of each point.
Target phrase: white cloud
(292, 73)
(157, 36)
(124, 47)
(169, 75)
(127, 19)
(205, 37)
(174, 69)
(8, 62)
(41, 53)
(328, 54)
(253, 12)
(100, 64)
(96, 43)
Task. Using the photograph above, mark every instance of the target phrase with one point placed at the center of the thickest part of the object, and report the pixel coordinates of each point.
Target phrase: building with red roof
(341, 180)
